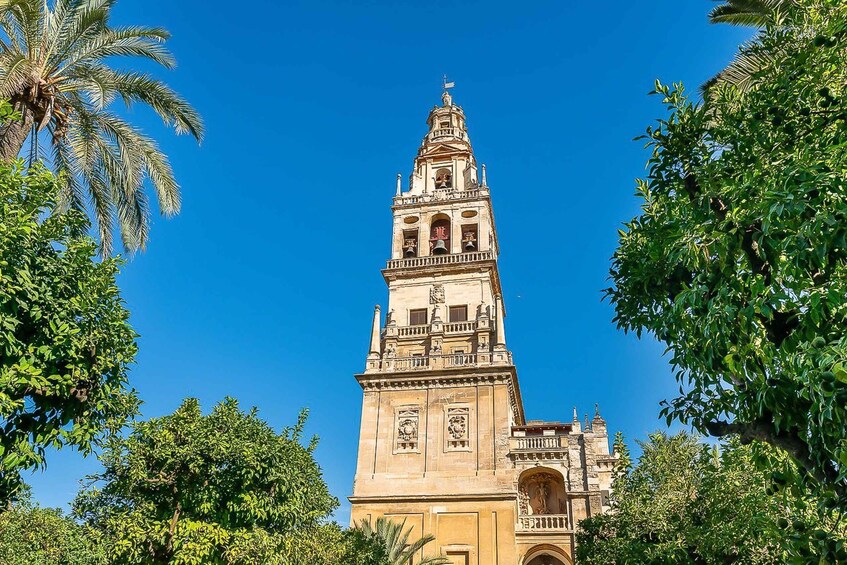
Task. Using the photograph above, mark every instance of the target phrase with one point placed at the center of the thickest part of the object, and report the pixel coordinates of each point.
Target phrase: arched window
(439, 237)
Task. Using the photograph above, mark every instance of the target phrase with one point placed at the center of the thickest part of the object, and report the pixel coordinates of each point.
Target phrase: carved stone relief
(436, 294)
(407, 429)
(457, 428)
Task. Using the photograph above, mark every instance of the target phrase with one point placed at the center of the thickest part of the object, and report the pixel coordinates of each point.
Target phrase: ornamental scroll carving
(457, 428)
(407, 429)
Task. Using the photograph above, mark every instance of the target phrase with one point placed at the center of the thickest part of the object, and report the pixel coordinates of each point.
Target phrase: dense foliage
(686, 502)
(55, 68)
(31, 534)
(738, 260)
(219, 488)
(65, 342)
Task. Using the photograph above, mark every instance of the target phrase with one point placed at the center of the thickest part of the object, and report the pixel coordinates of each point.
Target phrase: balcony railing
(460, 327)
(538, 442)
(447, 132)
(458, 258)
(439, 195)
(408, 331)
(445, 361)
(449, 328)
(543, 523)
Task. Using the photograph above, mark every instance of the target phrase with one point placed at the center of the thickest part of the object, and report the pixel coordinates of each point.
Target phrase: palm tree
(748, 13)
(53, 70)
(396, 542)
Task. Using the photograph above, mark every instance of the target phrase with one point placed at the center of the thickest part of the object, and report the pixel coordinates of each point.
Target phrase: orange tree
(65, 340)
(738, 259)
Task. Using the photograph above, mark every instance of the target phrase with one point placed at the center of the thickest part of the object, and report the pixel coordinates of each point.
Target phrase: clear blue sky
(312, 108)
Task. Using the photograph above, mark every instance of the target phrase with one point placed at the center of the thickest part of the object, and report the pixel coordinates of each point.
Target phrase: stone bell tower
(443, 438)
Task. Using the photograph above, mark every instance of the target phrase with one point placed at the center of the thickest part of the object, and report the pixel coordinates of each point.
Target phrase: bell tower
(440, 390)
(443, 444)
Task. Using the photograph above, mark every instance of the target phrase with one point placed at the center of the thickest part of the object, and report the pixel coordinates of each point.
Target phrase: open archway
(546, 554)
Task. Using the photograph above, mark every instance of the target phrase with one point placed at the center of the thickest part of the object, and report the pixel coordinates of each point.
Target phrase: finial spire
(374, 351)
(596, 410)
(484, 177)
(575, 415)
(399, 177)
(446, 99)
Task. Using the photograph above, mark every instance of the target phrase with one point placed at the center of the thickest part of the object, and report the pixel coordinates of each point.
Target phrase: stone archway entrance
(546, 554)
(545, 560)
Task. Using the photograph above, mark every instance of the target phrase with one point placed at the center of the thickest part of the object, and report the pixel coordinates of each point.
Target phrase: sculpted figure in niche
(543, 493)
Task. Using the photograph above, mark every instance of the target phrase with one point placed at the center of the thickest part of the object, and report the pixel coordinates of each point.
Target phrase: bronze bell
(410, 251)
(440, 248)
(469, 245)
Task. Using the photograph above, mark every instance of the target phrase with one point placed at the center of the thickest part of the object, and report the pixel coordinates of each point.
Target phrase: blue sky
(263, 287)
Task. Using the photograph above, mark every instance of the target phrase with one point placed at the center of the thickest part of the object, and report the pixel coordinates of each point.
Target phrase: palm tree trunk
(13, 135)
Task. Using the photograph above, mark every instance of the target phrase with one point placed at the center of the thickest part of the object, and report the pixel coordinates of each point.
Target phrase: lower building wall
(468, 533)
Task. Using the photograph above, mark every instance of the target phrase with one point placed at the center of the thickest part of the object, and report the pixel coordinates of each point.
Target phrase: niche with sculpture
(542, 491)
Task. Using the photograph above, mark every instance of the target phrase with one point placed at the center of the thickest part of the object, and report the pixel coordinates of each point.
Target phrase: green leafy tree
(31, 534)
(686, 502)
(392, 545)
(738, 260)
(220, 488)
(65, 340)
(54, 69)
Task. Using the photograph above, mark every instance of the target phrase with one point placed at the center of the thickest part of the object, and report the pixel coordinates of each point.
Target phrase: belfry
(444, 444)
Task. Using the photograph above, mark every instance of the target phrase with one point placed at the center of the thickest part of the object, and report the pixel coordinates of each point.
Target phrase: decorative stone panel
(406, 429)
(457, 428)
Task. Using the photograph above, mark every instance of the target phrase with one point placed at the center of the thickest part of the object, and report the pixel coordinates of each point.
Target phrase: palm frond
(394, 537)
(14, 72)
(144, 42)
(102, 84)
(747, 13)
(156, 164)
(24, 19)
(69, 176)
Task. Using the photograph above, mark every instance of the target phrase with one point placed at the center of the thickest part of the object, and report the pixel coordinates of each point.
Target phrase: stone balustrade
(440, 361)
(432, 260)
(537, 442)
(543, 523)
(460, 327)
(449, 329)
(410, 331)
(440, 195)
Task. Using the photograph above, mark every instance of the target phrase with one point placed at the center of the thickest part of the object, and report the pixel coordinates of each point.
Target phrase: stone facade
(444, 443)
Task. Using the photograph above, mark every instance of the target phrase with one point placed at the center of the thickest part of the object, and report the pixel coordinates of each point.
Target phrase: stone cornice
(446, 498)
(448, 378)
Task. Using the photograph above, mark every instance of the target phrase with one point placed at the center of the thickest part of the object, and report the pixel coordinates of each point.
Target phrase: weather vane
(446, 84)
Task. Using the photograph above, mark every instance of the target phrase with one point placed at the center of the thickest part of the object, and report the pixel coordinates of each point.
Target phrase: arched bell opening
(439, 235)
(444, 176)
